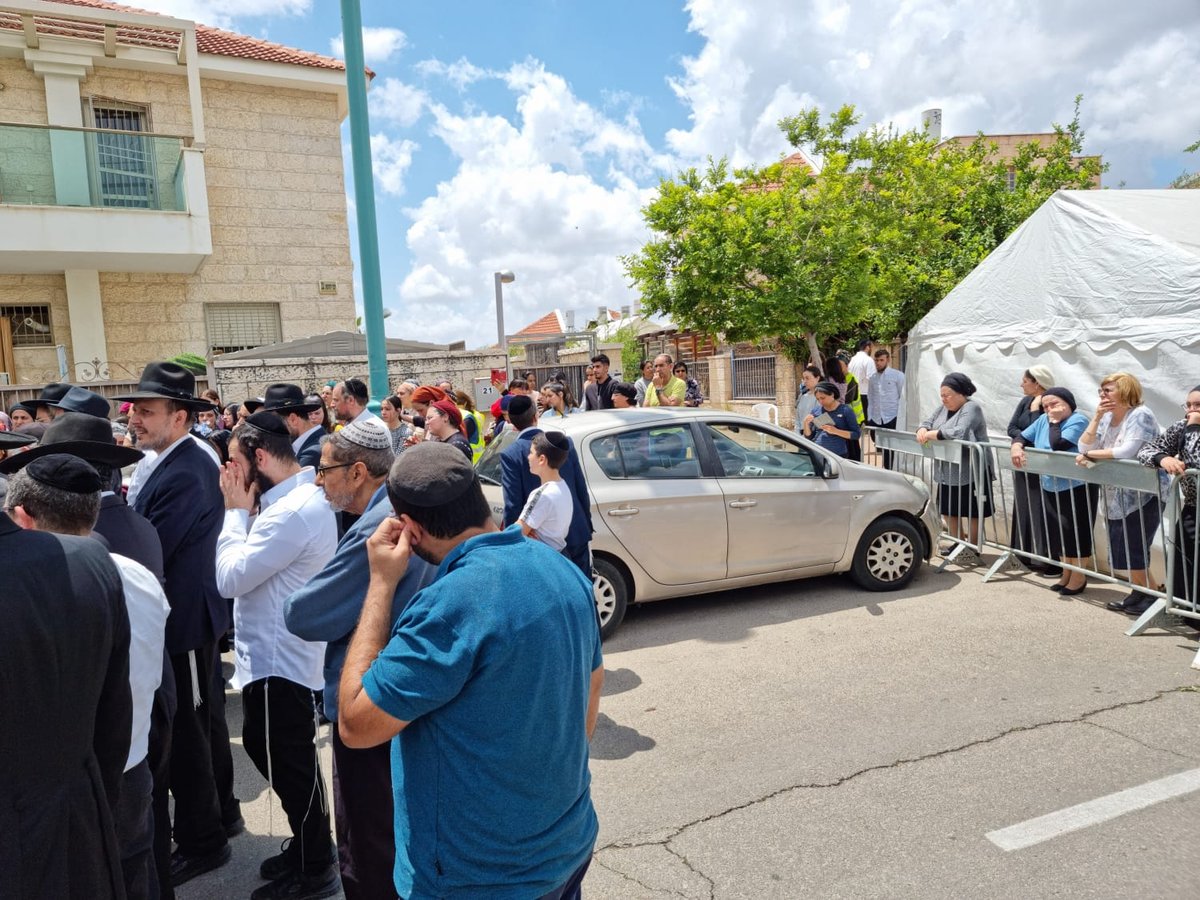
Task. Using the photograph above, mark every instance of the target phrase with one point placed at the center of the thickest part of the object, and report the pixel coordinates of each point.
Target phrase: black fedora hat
(287, 398)
(82, 400)
(88, 437)
(51, 393)
(11, 440)
(253, 405)
(167, 381)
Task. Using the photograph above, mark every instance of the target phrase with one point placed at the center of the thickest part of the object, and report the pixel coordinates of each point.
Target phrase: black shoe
(1058, 588)
(1136, 609)
(1073, 592)
(281, 864)
(236, 827)
(298, 886)
(1125, 603)
(185, 868)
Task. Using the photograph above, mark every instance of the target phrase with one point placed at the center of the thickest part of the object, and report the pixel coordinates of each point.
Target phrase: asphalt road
(811, 740)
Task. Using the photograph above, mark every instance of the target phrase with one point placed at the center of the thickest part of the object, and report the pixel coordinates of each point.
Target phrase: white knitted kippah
(368, 433)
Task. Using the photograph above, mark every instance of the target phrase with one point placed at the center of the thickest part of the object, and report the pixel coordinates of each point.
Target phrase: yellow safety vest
(856, 403)
(477, 446)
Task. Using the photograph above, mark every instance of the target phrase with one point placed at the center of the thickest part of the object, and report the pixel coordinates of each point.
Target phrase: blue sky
(528, 135)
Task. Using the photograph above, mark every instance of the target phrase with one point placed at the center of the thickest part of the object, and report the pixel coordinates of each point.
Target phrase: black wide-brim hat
(287, 398)
(77, 434)
(11, 440)
(51, 393)
(167, 381)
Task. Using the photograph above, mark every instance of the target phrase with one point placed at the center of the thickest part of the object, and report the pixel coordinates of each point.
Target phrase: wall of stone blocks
(238, 379)
(277, 206)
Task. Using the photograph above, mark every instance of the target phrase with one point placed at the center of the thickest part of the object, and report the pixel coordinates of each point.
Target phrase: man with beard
(181, 497)
(260, 565)
(353, 468)
(289, 403)
(350, 399)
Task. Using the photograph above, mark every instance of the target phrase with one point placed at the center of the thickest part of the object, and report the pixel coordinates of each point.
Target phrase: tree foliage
(888, 226)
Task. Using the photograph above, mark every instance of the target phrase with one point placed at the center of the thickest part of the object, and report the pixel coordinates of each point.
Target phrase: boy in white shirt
(547, 513)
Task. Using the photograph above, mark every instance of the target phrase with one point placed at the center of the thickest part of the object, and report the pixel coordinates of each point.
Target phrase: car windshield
(488, 467)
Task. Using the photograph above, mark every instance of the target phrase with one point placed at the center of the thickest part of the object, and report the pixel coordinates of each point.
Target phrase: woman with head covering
(443, 422)
(839, 426)
(959, 418)
(1070, 506)
(421, 399)
(1029, 523)
(1176, 451)
(1120, 428)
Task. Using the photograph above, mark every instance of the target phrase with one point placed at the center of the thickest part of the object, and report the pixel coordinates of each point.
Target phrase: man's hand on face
(233, 487)
(388, 551)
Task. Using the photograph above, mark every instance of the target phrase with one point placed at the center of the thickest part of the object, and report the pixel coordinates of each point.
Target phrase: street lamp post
(503, 278)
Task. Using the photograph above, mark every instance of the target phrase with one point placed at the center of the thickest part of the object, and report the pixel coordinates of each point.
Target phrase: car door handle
(742, 504)
(624, 511)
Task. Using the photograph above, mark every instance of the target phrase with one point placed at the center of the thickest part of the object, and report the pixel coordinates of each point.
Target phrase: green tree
(890, 224)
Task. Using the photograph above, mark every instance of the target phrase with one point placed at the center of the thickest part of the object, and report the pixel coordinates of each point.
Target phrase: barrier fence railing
(1116, 521)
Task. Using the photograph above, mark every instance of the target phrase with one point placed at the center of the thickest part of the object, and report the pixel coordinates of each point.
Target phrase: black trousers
(362, 806)
(279, 718)
(889, 426)
(135, 833)
(162, 714)
(222, 753)
(1186, 581)
(198, 828)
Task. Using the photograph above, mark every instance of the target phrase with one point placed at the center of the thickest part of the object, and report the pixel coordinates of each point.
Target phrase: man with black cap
(287, 401)
(68, 740)
(350, 399)
(443, 683)
(181, 497)
(518, 482)
(260, 565)
(55, 504)
(51, 393)
(353, 470)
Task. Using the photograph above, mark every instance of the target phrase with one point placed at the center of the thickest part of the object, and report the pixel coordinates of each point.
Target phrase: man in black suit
(180, 495)
(287, 401)
(517, 483)
(63, 604)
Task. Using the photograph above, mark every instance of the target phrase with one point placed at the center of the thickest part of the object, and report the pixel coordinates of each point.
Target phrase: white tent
(1092, 283)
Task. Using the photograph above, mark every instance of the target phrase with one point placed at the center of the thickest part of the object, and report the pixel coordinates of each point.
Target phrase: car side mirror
(827, 469)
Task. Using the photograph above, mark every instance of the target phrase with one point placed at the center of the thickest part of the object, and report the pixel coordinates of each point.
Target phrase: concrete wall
(242, 378)
(277, 204)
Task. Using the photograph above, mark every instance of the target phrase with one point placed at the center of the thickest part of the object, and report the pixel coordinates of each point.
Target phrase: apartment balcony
(111, 201)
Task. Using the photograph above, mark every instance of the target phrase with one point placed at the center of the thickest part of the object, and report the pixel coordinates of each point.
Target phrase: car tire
(612, 595)
(888, 555)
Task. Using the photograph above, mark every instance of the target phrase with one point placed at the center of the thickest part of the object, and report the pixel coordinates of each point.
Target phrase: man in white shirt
(350, 399)
(884, 392)
(862, 368)
(260, 565)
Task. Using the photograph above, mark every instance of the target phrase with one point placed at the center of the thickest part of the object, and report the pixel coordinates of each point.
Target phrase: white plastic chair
(768, 412)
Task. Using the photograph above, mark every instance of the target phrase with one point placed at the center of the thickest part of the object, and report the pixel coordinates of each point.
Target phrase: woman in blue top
(1069, 505)
(837, 434)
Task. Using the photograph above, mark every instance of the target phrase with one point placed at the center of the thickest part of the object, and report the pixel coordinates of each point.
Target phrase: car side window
(748, 452)
(658, 452)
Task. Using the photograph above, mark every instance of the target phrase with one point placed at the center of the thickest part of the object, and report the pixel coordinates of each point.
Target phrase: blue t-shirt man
(491, 781)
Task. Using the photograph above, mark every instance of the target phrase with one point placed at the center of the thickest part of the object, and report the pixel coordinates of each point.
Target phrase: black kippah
(519, 405)
(66, 473)
(268, 422)
(556, 439)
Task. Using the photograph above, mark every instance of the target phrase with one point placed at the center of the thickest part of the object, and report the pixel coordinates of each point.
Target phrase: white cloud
(554, 194)
(221, 13)
(379, 44)
(390, 160)
(461, 74)
(1000, 67)
(396, 102)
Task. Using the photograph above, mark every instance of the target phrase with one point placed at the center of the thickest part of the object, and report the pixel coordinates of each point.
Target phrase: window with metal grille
(123, 163)
(240, 326)
(30, 325)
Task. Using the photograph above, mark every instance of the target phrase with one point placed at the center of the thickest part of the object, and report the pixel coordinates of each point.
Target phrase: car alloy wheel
(611, 593)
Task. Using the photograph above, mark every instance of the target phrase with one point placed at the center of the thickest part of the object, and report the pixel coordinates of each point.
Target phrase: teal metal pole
(364, 201)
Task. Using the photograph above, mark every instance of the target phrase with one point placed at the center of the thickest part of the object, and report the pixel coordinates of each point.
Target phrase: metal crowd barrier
(1008, 511)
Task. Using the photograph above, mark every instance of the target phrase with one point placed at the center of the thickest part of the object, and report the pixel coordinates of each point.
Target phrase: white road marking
(1093, 812)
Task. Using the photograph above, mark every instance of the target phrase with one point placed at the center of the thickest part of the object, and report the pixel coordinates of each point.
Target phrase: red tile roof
(547, 324)
(209, 40)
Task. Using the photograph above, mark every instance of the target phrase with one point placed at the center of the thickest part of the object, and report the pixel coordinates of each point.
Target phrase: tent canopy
(1093, 282)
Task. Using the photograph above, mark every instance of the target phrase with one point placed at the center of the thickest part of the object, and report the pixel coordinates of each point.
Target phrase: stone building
(165, 187)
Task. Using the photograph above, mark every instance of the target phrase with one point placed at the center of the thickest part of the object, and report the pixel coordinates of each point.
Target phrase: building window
(1010, 179)
(123, 162)
(30, 325)
(241, 326)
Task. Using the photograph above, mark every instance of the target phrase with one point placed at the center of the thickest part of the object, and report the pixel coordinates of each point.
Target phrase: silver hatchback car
(687, 501)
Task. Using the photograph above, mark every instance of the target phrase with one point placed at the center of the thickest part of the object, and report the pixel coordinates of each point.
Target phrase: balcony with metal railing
(92, 198)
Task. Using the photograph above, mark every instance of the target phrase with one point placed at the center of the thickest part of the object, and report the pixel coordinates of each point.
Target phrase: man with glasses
(353, 468)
